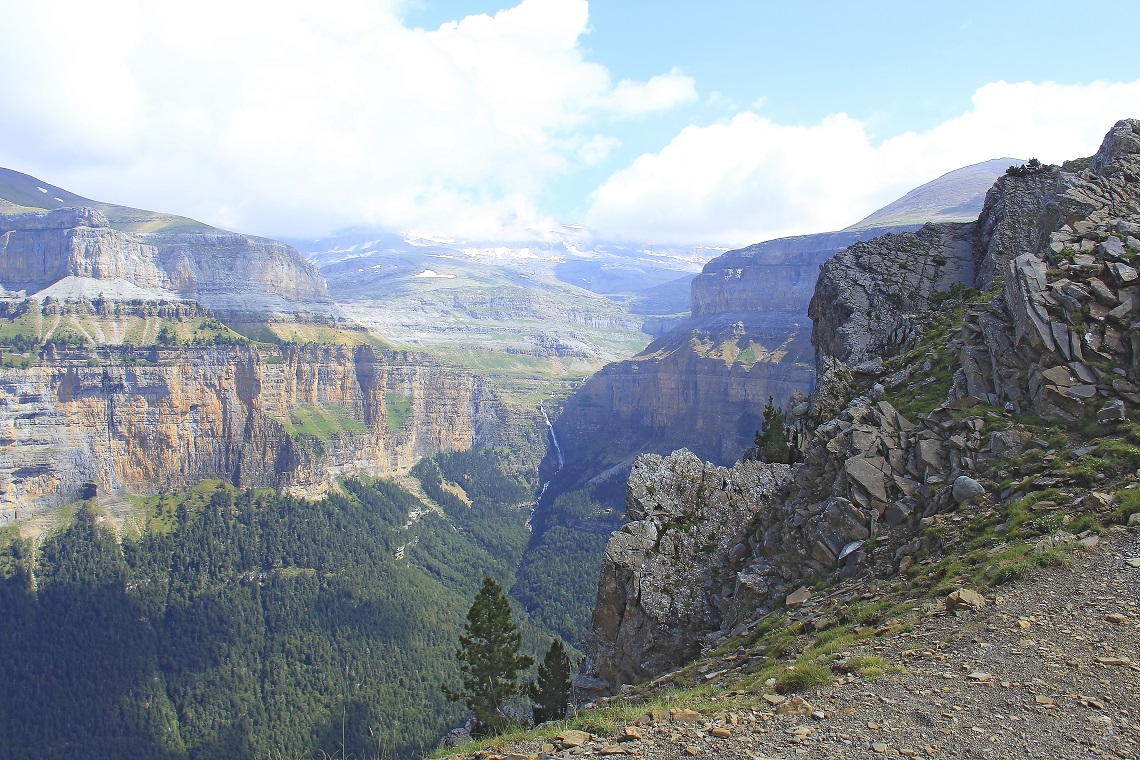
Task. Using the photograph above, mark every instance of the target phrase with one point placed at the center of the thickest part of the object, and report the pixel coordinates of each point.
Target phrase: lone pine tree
(489, 659)
(772, 437)
(551, 693)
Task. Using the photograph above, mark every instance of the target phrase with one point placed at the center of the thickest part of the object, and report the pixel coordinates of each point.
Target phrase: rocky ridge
(903, 474)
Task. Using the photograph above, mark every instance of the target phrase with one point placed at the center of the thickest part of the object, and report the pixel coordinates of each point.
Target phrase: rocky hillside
(1042, 343)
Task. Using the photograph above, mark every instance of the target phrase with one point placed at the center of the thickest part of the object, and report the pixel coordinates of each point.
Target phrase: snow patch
(432, 274)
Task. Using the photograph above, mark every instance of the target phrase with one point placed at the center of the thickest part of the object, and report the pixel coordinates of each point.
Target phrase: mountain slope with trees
(247, 624)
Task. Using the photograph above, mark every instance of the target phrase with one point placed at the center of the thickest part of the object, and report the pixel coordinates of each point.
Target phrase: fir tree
(772, 438)
(489, 659)
(551, 693)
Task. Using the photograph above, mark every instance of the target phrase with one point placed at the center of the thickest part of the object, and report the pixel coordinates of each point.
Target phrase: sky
(666, 121)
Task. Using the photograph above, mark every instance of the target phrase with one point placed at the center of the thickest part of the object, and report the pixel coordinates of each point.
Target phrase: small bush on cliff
(1031, 167)
(773, 439)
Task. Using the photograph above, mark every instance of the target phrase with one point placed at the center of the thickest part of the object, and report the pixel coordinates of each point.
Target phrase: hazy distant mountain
(956, 196)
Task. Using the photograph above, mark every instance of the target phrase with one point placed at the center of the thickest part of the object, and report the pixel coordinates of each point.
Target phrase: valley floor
(1049, 668)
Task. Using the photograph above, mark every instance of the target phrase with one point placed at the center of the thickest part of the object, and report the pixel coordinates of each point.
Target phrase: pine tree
(551, 693)
(489, 659)
(772, 438)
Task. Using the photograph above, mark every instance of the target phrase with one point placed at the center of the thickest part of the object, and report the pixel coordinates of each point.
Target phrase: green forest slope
(243, 624)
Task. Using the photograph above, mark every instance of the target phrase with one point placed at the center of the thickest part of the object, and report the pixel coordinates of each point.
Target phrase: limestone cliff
(40, 248)
(141, 420)
(69, 247)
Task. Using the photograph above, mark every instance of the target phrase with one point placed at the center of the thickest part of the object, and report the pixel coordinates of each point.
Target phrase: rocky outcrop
(137, 421)
(867, 295)
(38, 249)
(1062, 338)
(1059, 338)
(1055, 332)
(658, 593)
(742, 539)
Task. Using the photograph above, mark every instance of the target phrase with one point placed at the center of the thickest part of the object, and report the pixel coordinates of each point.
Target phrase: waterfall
(554, 440)
(561, 462)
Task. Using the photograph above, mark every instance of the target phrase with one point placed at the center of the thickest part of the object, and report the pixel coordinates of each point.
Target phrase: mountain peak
(941, 200)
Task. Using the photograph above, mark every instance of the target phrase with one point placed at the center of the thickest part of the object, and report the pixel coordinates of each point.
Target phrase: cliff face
(704, 388)
(239, 277)
(174, 417)
(38, 249)
(1053, 333)
(234, 274)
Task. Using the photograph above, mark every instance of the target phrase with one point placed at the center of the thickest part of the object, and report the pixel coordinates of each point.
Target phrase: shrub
(806, 675)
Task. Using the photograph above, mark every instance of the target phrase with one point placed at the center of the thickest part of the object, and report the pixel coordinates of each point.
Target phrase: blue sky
(895, 66)
(721, 122)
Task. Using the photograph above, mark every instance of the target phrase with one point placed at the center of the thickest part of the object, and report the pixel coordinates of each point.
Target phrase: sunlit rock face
(171, 417)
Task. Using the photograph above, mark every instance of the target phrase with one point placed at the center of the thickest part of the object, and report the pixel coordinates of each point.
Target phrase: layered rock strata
(138, 421)
(239, 277)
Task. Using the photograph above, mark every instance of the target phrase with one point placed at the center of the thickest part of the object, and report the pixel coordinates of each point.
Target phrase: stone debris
(799, 596)
(965, 599)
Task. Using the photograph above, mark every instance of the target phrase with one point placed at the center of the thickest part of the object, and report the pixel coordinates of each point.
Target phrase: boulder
(799, 596)
(1113, 411)
(1003, 442)
(869, 474)
(1113, 248)
(1122, 273)
(964, 599)
(966, 488)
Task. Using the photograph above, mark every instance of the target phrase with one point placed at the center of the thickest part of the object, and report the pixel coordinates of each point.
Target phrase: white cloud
(751, 179)
(297, 117)
(597, 149)
(664, 91)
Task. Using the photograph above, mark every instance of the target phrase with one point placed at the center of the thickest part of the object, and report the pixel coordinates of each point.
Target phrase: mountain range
(144, 354)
